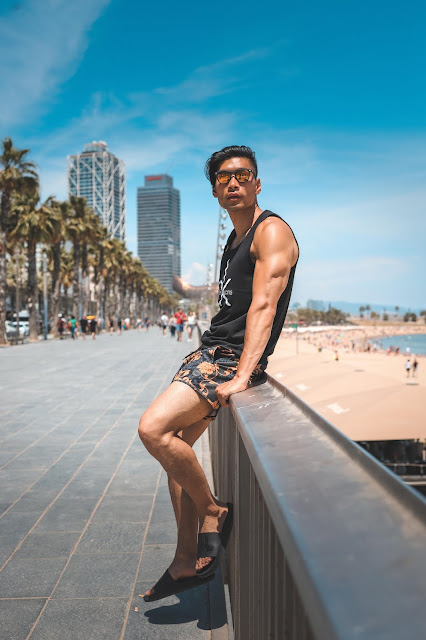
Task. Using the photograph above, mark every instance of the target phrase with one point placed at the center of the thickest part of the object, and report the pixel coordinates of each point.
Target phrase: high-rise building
(158, 208)
(97, 175)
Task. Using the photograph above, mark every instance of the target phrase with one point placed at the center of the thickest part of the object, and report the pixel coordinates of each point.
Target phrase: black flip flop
(213, 544)
(166, 586)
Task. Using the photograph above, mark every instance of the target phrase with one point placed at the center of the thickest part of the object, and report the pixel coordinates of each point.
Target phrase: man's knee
(150, 434)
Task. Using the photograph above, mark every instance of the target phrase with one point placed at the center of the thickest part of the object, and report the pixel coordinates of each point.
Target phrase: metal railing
(327, 543)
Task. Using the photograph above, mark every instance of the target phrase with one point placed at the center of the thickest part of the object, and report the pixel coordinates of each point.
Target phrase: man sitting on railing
(256, 279)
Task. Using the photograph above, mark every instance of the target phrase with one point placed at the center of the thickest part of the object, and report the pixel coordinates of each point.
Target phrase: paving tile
(182, 617)
(155, 560)
(98, 575)
(4, 506)
(112, 537)
(5, 457)
(96, 619)
(18, 523)
(21, 477)
(34, 500)
(132, 508)
(128, 484)
(7, 547)
(162, 532)
(18, 616)
(88, 483)
(48, 545)
(30, 577)
(55, 478)
(67, 515)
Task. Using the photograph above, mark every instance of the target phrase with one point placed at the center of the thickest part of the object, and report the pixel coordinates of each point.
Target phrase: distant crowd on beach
(176, 325)
(349, 339)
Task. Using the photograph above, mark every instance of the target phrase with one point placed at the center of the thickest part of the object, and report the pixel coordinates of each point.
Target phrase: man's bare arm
(276, 252)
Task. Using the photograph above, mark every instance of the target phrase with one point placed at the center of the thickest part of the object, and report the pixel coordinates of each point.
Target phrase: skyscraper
(97, 175)
(158, 208)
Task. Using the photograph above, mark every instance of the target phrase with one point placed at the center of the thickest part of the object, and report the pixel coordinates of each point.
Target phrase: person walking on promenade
(93, 325)
(408, 367)
(83, 327)
(73, 326)
(256, 279)
(172, 326)
(111, 325)
(164, 320)
(415, 365)
(119, 324)
(61, 326)
(191, 322)
(180, 318)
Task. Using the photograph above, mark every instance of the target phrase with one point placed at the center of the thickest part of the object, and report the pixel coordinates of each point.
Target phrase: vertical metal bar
(261, 560)
(244, 576)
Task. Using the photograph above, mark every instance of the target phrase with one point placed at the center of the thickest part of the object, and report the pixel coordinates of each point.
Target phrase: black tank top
(228, 326)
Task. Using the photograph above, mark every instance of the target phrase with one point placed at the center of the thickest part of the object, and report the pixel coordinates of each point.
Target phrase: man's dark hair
(218, 157)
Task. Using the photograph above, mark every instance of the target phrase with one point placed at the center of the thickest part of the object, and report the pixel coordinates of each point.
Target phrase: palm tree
(62, 209)
(78, 227)
(92, 236)
(35, 223)
(97, 262)
(17, 175)
(66, 276)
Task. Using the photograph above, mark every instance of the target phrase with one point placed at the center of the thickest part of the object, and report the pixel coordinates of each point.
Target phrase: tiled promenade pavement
(86, 520)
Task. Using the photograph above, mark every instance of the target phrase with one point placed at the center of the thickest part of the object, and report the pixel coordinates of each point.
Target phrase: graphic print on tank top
(223, 291)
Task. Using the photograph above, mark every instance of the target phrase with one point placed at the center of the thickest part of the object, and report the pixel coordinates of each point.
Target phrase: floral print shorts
(207, 367)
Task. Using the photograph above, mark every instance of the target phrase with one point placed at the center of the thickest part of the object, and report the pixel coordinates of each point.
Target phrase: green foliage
(410, 317)
(331, 316)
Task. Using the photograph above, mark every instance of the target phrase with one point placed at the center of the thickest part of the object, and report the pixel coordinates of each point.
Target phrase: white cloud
(41, 45)
(196, 274)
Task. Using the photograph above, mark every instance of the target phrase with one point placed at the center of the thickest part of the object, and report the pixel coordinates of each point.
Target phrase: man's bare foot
(212, 522)
(181, 567)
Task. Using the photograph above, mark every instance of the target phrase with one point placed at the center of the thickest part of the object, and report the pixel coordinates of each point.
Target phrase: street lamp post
(45, 295)
(220, 237)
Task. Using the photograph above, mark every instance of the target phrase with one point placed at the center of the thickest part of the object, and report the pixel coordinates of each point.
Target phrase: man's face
(236, 196)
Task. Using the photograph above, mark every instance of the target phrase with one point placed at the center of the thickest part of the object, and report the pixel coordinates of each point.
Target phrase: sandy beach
(365, 394)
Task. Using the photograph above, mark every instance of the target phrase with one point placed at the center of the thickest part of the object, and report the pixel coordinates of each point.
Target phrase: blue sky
(331, 95)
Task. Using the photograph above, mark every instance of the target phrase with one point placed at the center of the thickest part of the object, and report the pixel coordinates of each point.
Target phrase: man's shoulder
(273, 234)
(272, 226)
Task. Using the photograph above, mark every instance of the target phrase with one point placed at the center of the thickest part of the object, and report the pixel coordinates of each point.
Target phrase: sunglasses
(241, 175)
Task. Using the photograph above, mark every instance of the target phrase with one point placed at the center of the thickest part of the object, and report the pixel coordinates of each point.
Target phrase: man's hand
(223, 391)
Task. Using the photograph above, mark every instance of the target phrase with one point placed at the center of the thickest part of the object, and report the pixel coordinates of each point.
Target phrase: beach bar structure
(328, 544)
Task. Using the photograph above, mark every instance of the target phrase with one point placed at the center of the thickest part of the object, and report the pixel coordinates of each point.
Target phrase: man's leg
(178, 409)
(185, 559)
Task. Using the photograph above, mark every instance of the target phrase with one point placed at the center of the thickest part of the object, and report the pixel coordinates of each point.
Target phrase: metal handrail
(327, 542)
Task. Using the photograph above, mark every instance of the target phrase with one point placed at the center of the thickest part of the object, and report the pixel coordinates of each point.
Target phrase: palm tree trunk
(55, 288)
(32, 291)
(3, 287)
(4, 214)
(76, 280)
(105, 296)
(18, 289)
(99, 310)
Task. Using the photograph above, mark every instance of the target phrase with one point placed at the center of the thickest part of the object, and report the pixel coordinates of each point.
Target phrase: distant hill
(353, 307)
